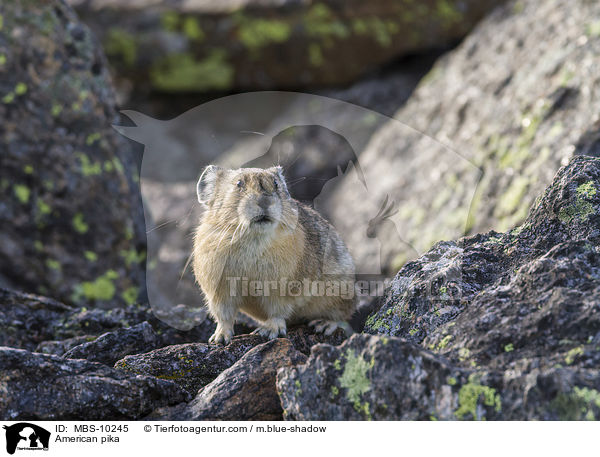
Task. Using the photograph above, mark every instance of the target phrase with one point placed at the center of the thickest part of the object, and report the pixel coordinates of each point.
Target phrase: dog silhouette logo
(26, 436)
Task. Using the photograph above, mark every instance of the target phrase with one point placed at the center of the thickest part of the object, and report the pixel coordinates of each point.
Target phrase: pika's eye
(275, 184)
(240, 184)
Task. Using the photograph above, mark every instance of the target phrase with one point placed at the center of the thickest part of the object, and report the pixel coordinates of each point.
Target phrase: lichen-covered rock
(388, 378)
(34, 322)
(59, 347)
(194, 365)
(245, 391)
(112, 346)
(71, 215)
(47, 387)
(26, 319)
(507, 287)
(221, 46)
(493, 122)
(370, 377)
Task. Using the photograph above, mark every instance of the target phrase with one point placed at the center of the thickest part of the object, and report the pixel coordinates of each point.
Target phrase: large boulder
(489, 127)
(387, 378)
(47, 387)
(497, 326)
(71, 214)
(245, 391)
(219, 46)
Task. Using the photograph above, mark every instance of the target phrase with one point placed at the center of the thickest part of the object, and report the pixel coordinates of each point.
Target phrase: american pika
(260, 252)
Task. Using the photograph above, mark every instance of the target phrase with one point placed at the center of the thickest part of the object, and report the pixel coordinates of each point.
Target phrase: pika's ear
(278, 170)
(207, 182)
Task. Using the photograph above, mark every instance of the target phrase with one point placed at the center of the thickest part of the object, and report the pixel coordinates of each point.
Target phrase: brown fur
(295, 244)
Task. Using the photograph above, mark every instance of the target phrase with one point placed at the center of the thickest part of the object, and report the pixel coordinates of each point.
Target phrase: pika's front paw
(221, 336)
(272, 329)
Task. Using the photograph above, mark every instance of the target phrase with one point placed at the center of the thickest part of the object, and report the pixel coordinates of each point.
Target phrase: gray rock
(59, 347)
(490, 282)
(46, 387)
(112, 346)
(71, 214)
(245, 391)
(388, 378)
(195, 365)
(26, 319)
(493, 122)
(34, 322)
(268, 45)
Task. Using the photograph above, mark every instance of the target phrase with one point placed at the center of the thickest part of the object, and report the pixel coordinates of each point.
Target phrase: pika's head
(250, 199)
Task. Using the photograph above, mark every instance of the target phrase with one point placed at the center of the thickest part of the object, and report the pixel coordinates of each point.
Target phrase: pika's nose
(264, 201)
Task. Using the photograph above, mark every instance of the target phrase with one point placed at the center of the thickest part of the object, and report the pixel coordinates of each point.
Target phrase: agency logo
(26, 437)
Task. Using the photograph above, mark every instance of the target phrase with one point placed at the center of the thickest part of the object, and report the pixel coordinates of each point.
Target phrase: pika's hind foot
(327, 327)
(271, 329)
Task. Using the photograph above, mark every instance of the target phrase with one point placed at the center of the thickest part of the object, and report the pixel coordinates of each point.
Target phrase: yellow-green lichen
(191, 29)
(354, 378)
(2, 59)
(509, 347)
(92, 138)
(88, 168)
(43, 207)
(444, 342)
(131, 256)
(21, 88)
(582, 208)
(320, 22)
(79, 223)
(593, 29)
(102, 288)
(22, 192)
(28, 169)
(91, 256)
(256, 33)
(471, 395)
(130, 295)
(182, 72)
(53, 264)
(120, 43)
(577, 405)
(573, 355)
(448, 12)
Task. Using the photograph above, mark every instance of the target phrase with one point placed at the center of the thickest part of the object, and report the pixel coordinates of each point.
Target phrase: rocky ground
(499, 325)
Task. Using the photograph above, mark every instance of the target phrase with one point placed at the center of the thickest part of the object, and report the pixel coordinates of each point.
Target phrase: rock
(112, 346)
(191, 365)
(195, 365)
(245, 391)
(491, 124)
(34, 322)
(546, 264)
(387, 378)
(370, 377)
(25, 319)
(250, 45)
(72, 217)
(59, 347)
(47, 387)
